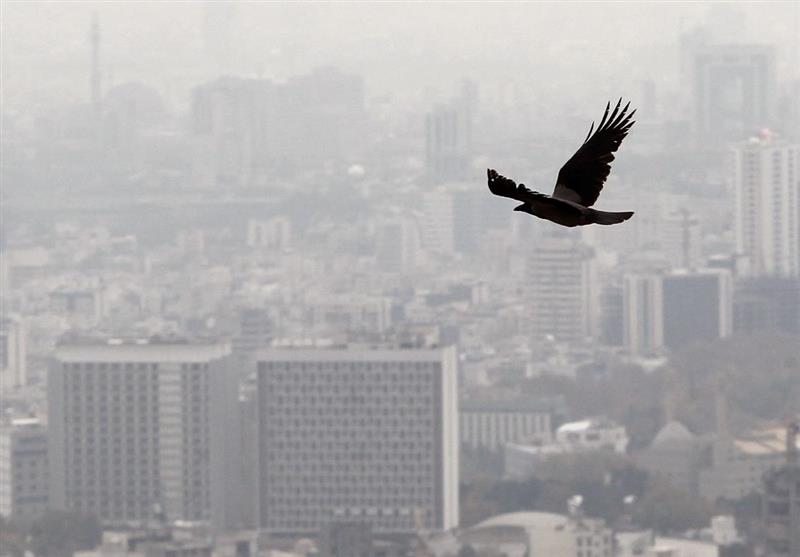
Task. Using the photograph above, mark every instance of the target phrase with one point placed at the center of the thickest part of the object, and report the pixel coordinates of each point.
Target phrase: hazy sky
(400, 48)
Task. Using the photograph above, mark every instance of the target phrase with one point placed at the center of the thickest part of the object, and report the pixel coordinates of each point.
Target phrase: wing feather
(506, 187)
(582, 177)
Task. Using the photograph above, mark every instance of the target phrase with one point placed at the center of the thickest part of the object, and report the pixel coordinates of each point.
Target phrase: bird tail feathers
(606, 217)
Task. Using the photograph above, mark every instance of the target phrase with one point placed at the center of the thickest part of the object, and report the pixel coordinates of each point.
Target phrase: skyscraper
(560, 295)
(446, 143)
(671, 311)
(643, 319)
(734, 90)
(357, 434)
(139, 429)
(697, 306)
(766, 179)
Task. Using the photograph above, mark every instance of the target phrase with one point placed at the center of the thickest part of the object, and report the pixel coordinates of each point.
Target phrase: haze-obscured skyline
(406, 50)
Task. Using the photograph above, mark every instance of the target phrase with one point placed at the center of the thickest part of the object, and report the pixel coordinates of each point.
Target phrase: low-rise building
(594, 434)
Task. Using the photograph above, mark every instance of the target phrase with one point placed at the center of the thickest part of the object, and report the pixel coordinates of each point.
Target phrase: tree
(61, 533)
(666, 509)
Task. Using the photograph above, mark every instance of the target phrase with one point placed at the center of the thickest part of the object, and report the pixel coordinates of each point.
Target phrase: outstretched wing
(582, 177)
(506, 187)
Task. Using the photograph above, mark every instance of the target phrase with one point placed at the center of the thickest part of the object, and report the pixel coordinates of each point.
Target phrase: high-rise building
(357, 434)
(446, 144)
(13, 354)
(766, 304)
(766, 179)
(143, 429)
(437, 233)
(23, 469)
(697, 307)
(235, 123)
(673, 310)
(560, 296)
(734, 88)
(397, 244)
(643, 320)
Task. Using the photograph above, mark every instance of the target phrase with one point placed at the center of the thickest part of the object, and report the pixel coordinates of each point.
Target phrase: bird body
(579, 181)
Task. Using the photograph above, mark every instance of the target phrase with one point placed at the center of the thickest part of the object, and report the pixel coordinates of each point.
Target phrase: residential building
(23, 469)
(733, 89)
(492, 425)
(559, 295)
(766, 182)
(522, 461)
(738, 465)
(137, 426)
(357, 433)
(13, 354)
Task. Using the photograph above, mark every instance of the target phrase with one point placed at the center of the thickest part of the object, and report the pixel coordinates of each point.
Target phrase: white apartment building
(592, 434)
(491, 426)
(13, 354)
(138, 429)
(23, 468)
(560, 297)
(357, 433)
(766, 180)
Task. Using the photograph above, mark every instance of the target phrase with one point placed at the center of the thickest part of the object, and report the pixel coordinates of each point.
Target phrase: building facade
(766, 181)
(491, 426)
(143, 430)
(13, 354)
(23, 469)
(357, 434)
(560, 296)
(673, 310)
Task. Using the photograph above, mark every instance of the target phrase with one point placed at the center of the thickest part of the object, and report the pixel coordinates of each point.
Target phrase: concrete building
(491, 426)
(446, 144)
(766, 304)
(361, 434)
(698, 306)
(23, 469)
(734, 88)
(672, 310)
(766, 181)
(13, 354)
(644, 543)
(141, 426)
(781, 503)
(594, 434)
(642, 310)
(538, 534)
(739, 465)
(437, 228)
(560, 296)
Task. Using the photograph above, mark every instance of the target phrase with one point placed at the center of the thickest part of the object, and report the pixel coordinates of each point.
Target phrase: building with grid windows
(766, 180)
(23, 468)
(361, 434)
(142, 431)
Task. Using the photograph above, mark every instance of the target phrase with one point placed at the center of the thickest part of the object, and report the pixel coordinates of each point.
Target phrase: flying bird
(579, 181)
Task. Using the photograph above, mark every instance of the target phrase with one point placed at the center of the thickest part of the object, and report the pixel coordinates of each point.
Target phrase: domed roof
(672, 433)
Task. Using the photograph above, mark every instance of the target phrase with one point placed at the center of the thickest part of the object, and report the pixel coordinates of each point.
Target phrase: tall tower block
(94, 78)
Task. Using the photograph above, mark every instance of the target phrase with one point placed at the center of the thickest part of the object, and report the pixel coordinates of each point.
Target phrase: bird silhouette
(579, 181)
